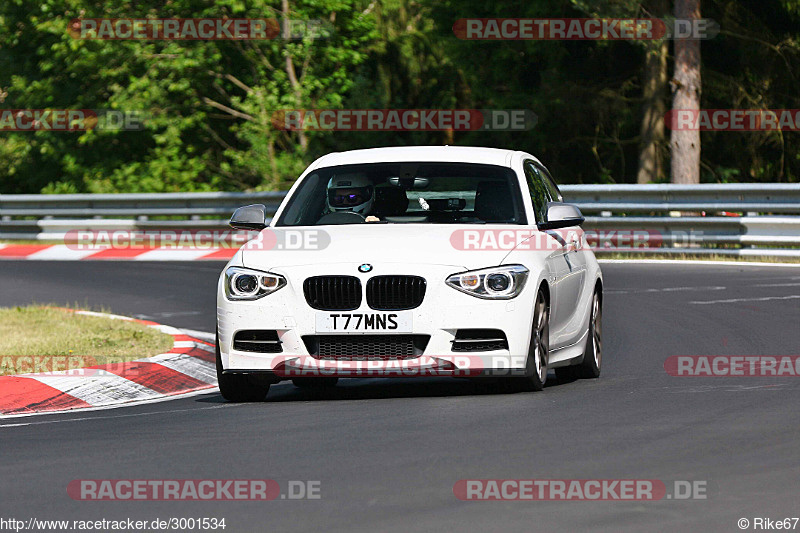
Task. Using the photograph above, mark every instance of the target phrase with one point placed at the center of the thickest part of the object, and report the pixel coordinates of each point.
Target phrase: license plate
(398, 322)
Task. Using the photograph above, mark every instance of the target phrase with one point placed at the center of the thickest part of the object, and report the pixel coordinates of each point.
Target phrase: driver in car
(352, 192)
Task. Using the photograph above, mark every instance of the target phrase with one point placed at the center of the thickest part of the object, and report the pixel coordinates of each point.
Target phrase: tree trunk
(651, 155)
(654, 93)
(686, 87)
(292, 74)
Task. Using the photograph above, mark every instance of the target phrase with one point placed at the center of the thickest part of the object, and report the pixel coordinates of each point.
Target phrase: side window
(550, 185)
(537, 190)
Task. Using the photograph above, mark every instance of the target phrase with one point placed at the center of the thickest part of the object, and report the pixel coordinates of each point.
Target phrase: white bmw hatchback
(412, 261)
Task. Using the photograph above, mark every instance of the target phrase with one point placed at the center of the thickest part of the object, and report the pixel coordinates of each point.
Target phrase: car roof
(449, 154)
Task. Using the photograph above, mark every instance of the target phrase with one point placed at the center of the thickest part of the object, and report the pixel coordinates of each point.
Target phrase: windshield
(398, 193)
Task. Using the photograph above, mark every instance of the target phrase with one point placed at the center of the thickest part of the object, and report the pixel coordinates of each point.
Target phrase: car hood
(434, 244)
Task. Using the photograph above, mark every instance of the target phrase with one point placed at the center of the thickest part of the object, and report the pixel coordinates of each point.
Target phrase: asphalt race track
(388, 452)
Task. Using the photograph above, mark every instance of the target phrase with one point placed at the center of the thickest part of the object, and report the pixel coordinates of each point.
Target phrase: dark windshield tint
(396, 193)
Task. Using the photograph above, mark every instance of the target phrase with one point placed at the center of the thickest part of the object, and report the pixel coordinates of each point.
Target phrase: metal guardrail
(673, 212)
(747, 197)
(133, 205)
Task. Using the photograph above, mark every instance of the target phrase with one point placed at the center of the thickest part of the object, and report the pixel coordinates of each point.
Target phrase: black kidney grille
(333, 293)
(393, 293)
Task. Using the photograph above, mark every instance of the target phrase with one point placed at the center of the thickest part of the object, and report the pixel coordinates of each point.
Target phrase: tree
(686, 89)
(652, 142)
(654, 89)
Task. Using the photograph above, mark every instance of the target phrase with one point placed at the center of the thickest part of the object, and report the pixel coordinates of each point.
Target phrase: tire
(593, 356)
(538, 350)
(239, 387)
(315, 383)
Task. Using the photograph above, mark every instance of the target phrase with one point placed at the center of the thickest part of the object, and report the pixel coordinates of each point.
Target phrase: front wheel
(538, 349)
(239, 387)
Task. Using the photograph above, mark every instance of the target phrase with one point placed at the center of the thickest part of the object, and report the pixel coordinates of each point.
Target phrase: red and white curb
(188, 367)
(63, 252)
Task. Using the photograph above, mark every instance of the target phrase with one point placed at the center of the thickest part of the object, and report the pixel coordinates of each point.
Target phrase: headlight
(247, 284)
(500, 283)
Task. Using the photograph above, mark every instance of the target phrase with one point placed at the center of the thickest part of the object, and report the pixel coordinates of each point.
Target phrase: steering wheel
(341, 217)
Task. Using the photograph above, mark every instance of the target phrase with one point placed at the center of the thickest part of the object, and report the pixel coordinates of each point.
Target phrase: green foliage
(194, 93)
(210, 104)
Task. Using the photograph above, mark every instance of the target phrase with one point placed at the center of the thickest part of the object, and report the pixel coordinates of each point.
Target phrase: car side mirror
(252, 217)
(561, 215)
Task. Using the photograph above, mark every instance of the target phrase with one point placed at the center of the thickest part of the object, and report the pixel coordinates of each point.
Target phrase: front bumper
(443, 311)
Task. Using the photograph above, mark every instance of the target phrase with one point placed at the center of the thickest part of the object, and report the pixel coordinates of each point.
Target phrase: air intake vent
(257, 340)
(479, 340)
(395, 293)
(333, 293)
(365, 347)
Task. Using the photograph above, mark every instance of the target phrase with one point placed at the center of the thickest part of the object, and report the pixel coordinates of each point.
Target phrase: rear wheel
(593, 356)
(315, 383)
(239, 387)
